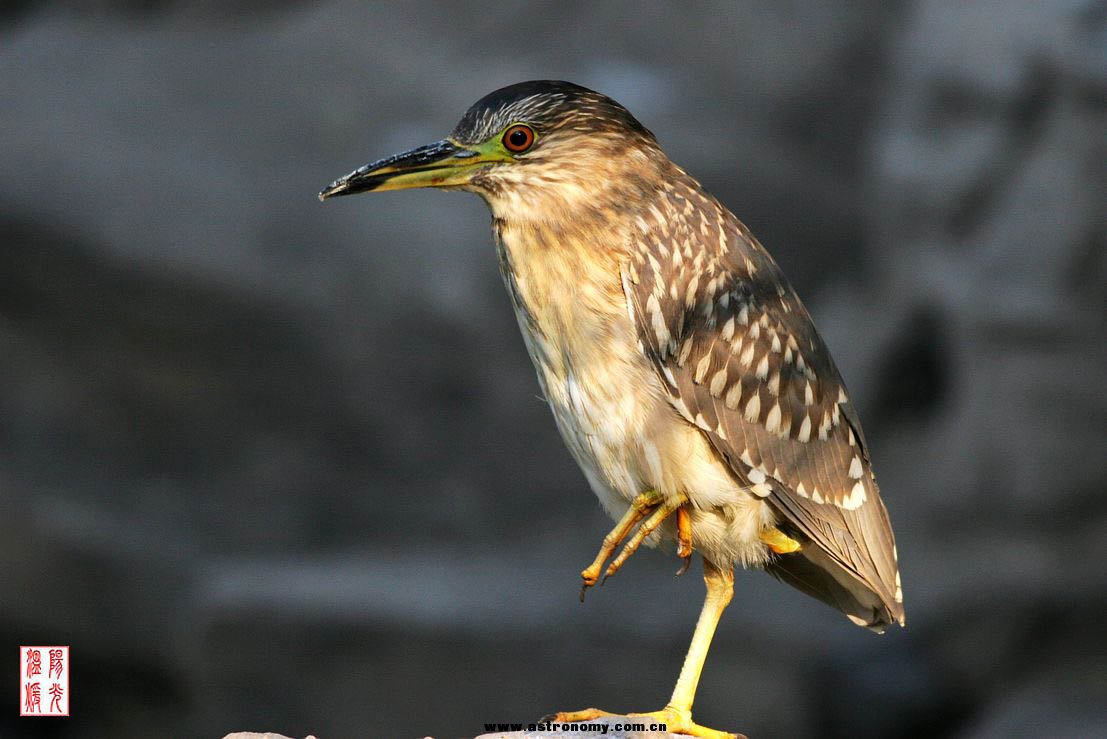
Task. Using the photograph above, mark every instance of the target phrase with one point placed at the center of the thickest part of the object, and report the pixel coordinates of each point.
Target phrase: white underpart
(609, 402)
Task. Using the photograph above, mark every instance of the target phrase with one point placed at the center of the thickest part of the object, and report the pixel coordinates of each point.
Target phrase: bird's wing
(739, 357)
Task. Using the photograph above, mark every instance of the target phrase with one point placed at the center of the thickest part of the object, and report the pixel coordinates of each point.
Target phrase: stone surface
(610, 727)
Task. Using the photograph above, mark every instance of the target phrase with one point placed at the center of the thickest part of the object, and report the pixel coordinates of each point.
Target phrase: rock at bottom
(600, 727)
(259, 735)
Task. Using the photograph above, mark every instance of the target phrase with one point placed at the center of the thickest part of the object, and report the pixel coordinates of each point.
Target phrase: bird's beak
(441, 164)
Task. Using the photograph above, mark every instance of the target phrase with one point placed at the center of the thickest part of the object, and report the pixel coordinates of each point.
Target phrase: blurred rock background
(270, 464)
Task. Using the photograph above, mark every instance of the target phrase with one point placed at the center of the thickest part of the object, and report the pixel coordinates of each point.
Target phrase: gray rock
(610, 727)
(257, 735)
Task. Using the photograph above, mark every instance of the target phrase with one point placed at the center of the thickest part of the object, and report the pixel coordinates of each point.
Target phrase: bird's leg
(660, 512)
(720, 589)
(684, 537)
(677, 715)
(639, 508)
(778, 541)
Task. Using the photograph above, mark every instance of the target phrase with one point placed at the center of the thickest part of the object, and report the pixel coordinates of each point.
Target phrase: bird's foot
(653, 505)
(675, 721)
(779, 542)
(684, 538)
(639, 509)
(660, 513)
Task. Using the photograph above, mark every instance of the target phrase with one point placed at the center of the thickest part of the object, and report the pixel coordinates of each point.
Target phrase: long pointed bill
(442, 164)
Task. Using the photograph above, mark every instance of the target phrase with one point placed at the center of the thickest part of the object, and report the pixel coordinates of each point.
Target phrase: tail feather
(812, 571)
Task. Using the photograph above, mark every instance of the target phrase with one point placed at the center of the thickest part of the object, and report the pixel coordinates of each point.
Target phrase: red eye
(518, 138)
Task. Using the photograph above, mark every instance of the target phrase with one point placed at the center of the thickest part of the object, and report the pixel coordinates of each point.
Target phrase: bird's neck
(588, 189)
(564, 240)
(558, 270)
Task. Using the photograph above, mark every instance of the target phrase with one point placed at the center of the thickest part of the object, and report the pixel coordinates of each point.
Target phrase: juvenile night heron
(683, 371)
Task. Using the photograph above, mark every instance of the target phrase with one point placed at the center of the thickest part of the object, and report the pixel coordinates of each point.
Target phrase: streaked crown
(546, 105)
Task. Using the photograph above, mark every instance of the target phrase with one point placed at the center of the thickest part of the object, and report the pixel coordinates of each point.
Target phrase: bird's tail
(815, 573)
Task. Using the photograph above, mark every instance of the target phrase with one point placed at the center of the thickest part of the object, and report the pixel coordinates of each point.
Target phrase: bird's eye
(518, 138)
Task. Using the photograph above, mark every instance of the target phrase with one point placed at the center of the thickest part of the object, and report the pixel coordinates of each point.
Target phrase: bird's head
(530, 149)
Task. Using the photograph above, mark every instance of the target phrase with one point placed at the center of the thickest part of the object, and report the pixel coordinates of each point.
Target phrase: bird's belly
(598, 406)
(609, 404)
(602, 427)
(627, 439)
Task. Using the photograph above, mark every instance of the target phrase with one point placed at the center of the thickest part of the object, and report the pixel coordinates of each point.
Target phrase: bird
(684, 373)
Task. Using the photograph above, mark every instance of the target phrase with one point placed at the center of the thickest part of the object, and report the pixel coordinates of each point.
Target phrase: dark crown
(545, 105)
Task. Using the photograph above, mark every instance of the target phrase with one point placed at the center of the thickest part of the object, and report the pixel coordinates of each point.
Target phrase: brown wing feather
(741, 359)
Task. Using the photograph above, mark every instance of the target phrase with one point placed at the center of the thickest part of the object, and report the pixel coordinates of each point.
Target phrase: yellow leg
(684, 537)
(779, 542)
(639, 508)
(660, 513)
(720, 589)
(677, 715)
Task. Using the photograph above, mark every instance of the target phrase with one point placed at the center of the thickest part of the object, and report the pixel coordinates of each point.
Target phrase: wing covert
(740, 358)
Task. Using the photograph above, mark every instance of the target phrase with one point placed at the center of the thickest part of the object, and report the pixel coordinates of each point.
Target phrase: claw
(779, 542)
(648, 504)
(684, 538)
(639, 508)
(663, 511)
(568, 717)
